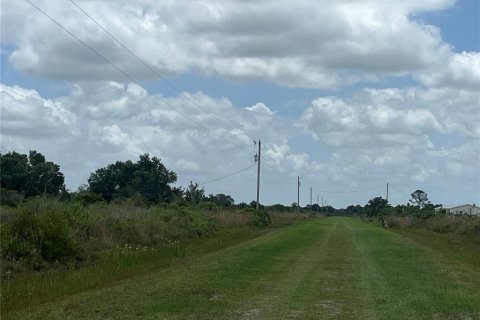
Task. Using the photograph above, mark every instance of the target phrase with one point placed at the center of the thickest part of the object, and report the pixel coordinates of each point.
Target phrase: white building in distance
(470, 209)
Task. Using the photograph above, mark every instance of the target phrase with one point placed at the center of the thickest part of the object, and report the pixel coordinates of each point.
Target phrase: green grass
(334, 268)
(452, 245)
(28, 289)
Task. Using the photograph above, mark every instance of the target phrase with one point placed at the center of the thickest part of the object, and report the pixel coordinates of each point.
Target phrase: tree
(31, 175)
(194, 194)
(419, 199)
(354, 210)
(376, 206)
(148, 177)
(222, 200)
(15, 170)
(242, 205)
(44, 176)
(178, 194)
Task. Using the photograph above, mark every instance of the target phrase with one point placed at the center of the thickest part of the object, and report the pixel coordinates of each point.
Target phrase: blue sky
(384, 92)
(459, 25)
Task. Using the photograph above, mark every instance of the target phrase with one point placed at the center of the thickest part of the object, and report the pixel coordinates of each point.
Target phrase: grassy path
(335, 268)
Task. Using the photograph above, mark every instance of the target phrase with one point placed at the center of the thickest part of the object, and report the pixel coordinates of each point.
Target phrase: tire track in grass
(288, 271)
(330, 290)
(321, 283)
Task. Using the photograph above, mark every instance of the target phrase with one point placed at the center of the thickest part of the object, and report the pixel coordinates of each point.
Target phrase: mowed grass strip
(405, 279)
(334, 268)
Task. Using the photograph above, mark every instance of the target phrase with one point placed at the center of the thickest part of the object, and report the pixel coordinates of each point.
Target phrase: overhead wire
(123, 72)
(403, 193)
(325, 191)
(146, 65)
(138, 83)
(350, 191)
(228, 175)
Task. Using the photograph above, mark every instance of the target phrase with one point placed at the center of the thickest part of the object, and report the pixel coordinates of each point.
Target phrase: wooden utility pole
(310, 198)
(387, 192)
(298, 194)
(258, 174)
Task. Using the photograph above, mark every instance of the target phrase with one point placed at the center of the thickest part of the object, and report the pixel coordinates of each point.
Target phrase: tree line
(147, 182)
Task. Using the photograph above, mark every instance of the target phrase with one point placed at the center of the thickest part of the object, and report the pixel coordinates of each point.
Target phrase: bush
(466, 225)
(443, 225)
(11, 198)
(42, 232)
(260, 218)
(87, 198)
(38, 233)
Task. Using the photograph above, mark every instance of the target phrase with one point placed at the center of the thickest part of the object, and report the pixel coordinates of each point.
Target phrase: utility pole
(318, 197)
(258, 173)
(310, 198)
(387, 192)
(298, 194)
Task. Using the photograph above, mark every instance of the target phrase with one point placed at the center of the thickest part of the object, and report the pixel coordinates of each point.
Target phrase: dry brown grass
(288, 217)
(229, 218)
(233, 218)
(402, 222)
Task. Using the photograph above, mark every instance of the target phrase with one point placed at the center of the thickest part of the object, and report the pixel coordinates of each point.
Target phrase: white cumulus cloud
(306, 43)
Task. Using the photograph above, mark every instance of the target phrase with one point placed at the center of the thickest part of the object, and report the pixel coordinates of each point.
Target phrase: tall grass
(281, 218)
(461, 225)
(42, 232)
(231, 218)
(26, 290)
(51, 249)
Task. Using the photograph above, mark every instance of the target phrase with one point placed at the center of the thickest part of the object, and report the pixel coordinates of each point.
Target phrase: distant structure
(470, 209)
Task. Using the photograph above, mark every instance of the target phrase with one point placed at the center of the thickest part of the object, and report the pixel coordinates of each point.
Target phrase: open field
(333, 268)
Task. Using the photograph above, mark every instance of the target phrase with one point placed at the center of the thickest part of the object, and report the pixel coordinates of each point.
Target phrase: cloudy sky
(347, 94)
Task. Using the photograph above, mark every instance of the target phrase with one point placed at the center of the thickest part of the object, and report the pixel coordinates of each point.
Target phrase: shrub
(37, 236)
(466, 225)
(42, 232)
(260, 218)
(88, 198)
(11, 198)
(444, 225)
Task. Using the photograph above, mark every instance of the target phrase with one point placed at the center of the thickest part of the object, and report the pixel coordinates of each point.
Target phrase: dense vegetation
(28, 175)
(124, 204)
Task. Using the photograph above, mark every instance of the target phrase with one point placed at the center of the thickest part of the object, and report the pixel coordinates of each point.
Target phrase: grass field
(333, 268)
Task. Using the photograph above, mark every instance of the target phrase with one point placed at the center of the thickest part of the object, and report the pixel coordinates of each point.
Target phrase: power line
(171, 85)
(228, 175)
(403, 193)
(351, 191)
(325, 191)
(121, 71)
